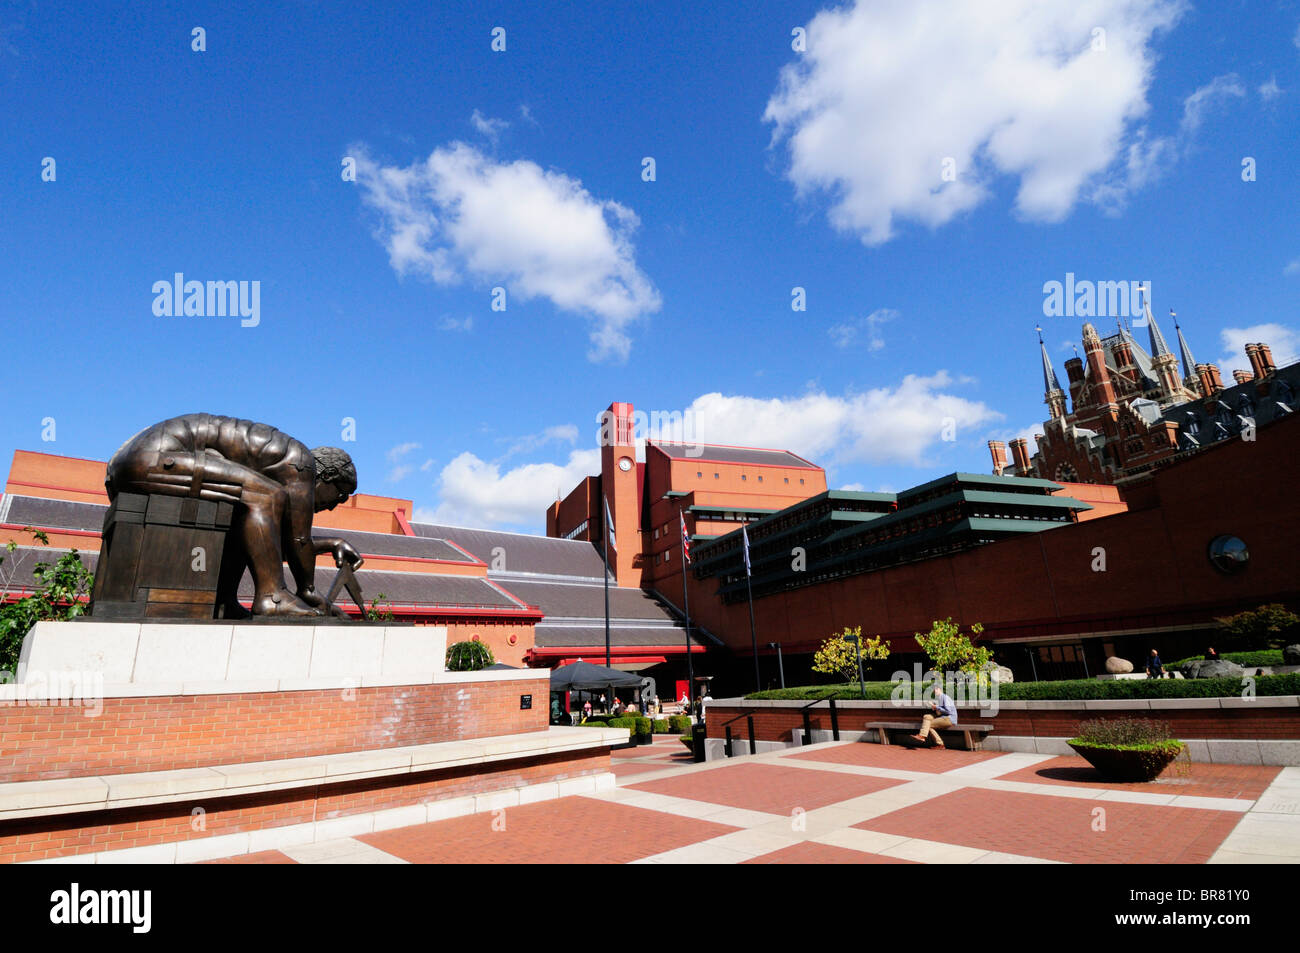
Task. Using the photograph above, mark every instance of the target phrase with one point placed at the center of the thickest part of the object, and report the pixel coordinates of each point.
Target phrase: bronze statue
(275, 485)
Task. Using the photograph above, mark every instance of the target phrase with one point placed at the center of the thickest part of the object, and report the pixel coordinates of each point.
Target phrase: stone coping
(76, 660)
(1100, 704)
(25, 799)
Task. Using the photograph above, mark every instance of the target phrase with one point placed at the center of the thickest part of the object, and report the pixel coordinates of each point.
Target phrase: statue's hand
(344, 551)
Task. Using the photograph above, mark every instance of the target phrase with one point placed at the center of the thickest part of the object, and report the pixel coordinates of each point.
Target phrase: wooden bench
(972, 734)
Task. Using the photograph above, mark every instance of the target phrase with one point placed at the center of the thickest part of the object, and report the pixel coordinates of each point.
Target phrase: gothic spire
(1185, 352)
(1049, 375)
(1158, 346)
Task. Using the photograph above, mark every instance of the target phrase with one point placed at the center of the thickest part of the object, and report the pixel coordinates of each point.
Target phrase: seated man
(277, 485)
(944, 715)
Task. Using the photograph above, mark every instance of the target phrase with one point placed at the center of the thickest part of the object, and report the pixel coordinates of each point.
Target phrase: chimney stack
(1020, 453)
(998, 450)
(1266, 358)
(1256, 360)
(1241, 376)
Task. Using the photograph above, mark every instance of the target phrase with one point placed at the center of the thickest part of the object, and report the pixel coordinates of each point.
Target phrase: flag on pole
(609, 523)
(686, 540)
(744, 536)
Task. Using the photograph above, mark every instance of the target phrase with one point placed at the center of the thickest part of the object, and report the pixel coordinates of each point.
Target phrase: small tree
(839, 656)
(1271, 626)
(950, 650)
(59, 592)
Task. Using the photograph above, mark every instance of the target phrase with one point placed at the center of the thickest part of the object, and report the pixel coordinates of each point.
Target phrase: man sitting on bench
(944, 716)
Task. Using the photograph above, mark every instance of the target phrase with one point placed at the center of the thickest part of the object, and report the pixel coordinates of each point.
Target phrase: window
(715, 476)
(743, 477)
(668, 556)
(760, 479)
(656, 532)
(801, 481)
(787, 479)
(699, 473)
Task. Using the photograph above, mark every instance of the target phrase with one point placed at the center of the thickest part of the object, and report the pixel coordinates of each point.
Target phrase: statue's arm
(299, 548)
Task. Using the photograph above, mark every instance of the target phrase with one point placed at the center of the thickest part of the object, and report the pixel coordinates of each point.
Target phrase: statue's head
(336, 477)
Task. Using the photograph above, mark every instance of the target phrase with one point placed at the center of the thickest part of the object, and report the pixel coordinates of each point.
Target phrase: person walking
(1155, 667)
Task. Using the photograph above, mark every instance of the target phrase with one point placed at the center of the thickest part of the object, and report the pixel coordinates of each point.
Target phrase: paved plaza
(853, 802)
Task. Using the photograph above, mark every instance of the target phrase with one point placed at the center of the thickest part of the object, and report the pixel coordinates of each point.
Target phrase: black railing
(726, 727)
(807, 718)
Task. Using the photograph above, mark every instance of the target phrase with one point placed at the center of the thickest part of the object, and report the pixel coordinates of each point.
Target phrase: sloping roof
(561, 636)
(721, 454)
(578, 601)
(52, 514)
(521, 553)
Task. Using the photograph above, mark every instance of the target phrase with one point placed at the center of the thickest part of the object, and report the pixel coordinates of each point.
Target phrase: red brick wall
(189, 731)
(90, 832)
(776, 724)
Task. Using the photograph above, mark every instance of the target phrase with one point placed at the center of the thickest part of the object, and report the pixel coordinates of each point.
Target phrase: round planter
(645, 739)
(1129, 764)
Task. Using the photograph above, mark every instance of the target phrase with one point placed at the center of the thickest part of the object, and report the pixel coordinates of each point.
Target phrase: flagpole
(606, 536)
(686, 606)
(749, 588)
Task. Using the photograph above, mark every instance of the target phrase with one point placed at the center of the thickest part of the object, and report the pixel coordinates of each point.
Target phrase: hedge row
(1244, 659)
(1078, 689)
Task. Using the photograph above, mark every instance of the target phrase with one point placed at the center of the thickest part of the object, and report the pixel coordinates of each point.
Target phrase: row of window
(577, 530)
(744, 477)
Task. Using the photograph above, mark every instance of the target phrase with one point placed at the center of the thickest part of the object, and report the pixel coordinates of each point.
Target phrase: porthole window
(1229, 554)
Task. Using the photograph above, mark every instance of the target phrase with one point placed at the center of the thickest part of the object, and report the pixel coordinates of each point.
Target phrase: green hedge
(661, 726)
(680, 723)
(468, 657)
(1244, 659)
(1078, 689)
(628, 723)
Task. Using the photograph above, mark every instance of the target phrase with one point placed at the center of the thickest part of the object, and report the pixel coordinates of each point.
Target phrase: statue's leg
(257, 523)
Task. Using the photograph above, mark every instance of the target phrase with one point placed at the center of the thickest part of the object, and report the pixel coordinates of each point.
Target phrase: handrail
(818, 701)
(807, 721)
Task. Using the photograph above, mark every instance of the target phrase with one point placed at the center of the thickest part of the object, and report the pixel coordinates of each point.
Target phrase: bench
(972, 734)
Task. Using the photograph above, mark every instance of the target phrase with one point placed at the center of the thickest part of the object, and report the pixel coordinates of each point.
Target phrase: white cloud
(885, 425)
(395, 456)
(1283, 343)
(1202, 100)
(889, 89)
(474, 492)
(448, 323)
(1292, 267)
(491, 128)
(562, 433)
(1270, 90)
(463, 215)
(526, 114)
(401, 450)
(1296, 39)
(844, 335)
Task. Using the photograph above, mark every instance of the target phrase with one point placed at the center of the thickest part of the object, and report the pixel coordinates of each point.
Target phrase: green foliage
(661, 726)
(375, 614)
(469, 657)
(623, 722)
(59, 592)
(1123, 732)
(839, 656)
(1271, 625)
(681, 723)
(1268, 657)
(950, 649)
(1072, 690)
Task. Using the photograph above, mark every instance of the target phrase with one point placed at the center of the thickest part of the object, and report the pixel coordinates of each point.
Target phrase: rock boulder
(1118, 666)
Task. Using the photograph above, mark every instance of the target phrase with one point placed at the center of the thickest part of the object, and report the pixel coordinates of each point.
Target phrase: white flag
(609, 523)
(744, 536)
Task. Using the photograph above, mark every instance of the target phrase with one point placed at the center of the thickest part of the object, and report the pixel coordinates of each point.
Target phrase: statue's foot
(283, 602)
(233, 610)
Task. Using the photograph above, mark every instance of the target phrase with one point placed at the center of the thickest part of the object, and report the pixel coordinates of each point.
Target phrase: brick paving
(1194, 778)
(810, 852)
(767, 787)
(951, 813)
(1062, 828)
(577, 830)
(929, 760)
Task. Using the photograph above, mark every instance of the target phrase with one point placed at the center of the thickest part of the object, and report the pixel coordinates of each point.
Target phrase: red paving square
(260, 857)
(570, 830)
(766, 787)
(808, 852)
(1196, 778)
(899, 757)
(1061, 828)
(645, 751)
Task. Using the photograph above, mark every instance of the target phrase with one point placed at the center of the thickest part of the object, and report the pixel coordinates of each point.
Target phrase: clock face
(624, 464)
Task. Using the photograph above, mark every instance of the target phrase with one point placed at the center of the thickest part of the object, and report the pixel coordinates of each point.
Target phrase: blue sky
(523, 169)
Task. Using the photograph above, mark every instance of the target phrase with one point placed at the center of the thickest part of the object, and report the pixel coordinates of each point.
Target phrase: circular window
(624, 464)
(1229, 554)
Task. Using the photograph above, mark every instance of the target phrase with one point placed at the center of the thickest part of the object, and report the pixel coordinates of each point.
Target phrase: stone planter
(1129, 764)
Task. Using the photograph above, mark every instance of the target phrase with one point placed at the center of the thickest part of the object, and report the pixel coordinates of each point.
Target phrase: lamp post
(780, 665)
(857, 651)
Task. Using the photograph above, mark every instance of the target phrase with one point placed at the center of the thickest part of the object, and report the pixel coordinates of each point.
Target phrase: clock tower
(619, 481)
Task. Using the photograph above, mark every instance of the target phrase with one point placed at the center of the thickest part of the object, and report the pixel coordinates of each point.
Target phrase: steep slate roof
(720, 454)
(52, 514)
(522, 553)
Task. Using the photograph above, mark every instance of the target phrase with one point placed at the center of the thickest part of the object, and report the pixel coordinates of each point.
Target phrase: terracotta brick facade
(168, 732)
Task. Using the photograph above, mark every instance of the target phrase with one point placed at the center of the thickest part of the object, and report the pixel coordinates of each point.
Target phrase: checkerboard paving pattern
(855, 802)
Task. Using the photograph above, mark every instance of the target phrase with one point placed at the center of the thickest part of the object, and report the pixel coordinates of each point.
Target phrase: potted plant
(468, 657)
(644, 732)
(1126, 749)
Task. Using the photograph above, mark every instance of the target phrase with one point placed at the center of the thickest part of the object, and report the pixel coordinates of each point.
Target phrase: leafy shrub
(469, 657)
(628, 723)
(661, 726)
(643, 725)
(1271, 625)
(839, 656)
(60, 590)
(949, 648)
(1123, 732)
(681, 723)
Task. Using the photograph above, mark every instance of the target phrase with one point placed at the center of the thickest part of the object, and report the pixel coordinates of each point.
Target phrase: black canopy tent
(585, 677)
